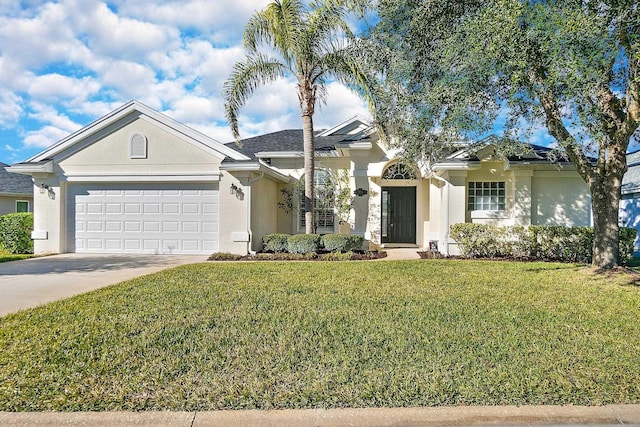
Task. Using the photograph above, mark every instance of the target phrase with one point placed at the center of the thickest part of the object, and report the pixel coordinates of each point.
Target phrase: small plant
(342, 242)
(303, 243)
(336, 256)
(275, 242)
(224, 256)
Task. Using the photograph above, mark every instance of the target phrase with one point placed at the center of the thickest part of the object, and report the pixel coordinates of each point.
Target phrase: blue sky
(63, 64)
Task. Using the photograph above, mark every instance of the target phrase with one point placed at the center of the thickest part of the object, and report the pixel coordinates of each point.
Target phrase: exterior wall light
(360, 192)
(237, 191)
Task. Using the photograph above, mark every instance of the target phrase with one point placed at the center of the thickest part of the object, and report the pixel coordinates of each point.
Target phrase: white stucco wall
(264, 212)
(560, 198)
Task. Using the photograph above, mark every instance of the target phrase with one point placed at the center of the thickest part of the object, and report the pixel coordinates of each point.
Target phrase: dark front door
(399, 215)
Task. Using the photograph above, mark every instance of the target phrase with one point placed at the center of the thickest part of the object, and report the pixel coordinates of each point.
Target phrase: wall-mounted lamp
(360, 192)
(237, 191)
(43, 187)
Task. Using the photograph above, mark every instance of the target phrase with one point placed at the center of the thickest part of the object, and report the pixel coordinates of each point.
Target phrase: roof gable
(353, 126)
(125, 114)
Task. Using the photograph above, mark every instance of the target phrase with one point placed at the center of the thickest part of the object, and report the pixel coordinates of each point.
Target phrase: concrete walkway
(381, 417)
(36, 281)
(394, 254)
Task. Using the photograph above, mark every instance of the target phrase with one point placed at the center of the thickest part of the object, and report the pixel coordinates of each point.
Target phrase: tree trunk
(605, 194)
(309, 167)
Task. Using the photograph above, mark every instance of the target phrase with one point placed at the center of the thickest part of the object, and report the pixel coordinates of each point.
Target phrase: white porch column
(455, 212)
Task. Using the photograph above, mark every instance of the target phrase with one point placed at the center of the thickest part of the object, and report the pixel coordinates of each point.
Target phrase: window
(22, 206)
(323, 212)
(486, 196)
(399, 171)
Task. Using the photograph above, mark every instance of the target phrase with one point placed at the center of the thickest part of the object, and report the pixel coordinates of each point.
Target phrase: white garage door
(144, 218)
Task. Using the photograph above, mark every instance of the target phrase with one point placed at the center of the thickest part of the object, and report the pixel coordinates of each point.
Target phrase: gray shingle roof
(14, 183)
(284, 141)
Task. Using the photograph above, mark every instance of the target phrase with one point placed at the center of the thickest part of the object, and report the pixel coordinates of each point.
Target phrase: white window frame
(326, 216)
(487, 196)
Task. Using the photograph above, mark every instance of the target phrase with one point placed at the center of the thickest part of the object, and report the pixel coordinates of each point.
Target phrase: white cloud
(196, 109)
(58, 126)
(117, 36)
(223, 19)
(35, 42)
(10, 108)
(53, 87)
(44, 137)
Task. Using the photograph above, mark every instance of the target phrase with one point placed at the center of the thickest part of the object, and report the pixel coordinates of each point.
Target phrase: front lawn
(330, 334)
(7, 256)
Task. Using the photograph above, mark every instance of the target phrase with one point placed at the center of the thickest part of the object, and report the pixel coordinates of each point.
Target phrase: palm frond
(279, 26)
(255, 71)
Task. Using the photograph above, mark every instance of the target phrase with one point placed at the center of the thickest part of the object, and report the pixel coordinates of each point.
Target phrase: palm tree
(311, 44)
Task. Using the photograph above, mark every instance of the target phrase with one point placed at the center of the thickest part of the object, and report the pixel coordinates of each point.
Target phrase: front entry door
(399, 215)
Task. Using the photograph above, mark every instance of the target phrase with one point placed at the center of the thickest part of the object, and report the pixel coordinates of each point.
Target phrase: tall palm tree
(309, 43)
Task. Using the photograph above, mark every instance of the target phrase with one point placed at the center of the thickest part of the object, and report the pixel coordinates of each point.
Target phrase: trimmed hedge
(553, 243)
(275, 242)
(311, 243)
(342, 242)
(15, 232)
(303, 243)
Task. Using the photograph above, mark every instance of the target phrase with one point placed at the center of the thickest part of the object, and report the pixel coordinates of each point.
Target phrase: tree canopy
(452, 68)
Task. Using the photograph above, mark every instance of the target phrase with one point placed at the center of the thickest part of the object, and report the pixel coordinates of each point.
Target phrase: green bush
(303, 243)
(275, 242)
(552, 243)
(627, 238)
(342, 242)
(557, 243)
(478, 240)
(15, 233)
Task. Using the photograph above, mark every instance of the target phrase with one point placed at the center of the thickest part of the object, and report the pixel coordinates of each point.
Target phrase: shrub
(553, 243)
(303, 243)
(342, 242)
(224, 256)
(477, 240)
(627, 239)
(557, 243)
(15, 233)
(275, 242)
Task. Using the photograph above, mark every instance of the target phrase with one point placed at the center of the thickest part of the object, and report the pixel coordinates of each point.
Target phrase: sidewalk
(381, 417)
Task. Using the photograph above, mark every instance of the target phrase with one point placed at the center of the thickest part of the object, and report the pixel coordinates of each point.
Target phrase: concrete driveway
(33, 282)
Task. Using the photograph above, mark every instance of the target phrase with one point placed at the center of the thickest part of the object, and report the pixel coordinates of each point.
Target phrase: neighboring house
(136, 181)
(16, 192)
(630, 203)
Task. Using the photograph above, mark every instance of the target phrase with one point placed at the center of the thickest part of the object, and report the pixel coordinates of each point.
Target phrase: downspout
(446, 213)
(250, 182)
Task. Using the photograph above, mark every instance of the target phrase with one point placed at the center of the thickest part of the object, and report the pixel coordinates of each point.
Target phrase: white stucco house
(136, 181)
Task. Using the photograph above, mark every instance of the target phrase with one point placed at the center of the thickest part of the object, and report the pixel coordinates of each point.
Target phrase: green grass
(6, 256)
(330, 334)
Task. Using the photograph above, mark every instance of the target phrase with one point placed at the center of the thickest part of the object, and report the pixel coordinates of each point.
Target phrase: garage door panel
(176, 218)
